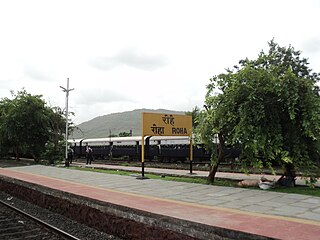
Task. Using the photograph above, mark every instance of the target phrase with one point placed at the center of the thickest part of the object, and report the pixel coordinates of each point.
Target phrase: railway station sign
(161, 124)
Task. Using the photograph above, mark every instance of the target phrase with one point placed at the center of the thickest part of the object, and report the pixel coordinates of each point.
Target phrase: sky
(124, 55)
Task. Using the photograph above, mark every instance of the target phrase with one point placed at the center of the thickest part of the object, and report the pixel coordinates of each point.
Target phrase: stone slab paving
(227, 175)
(258, 201)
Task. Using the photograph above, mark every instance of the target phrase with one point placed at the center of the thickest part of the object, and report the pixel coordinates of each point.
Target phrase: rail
(49, 227)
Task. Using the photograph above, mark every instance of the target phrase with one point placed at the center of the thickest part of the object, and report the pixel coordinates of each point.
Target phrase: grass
(304, 190)
(299, 190)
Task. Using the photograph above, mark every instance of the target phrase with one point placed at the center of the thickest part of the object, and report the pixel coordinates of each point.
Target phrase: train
(159, 148)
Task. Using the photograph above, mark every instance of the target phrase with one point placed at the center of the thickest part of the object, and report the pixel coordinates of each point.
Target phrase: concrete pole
(66, 90)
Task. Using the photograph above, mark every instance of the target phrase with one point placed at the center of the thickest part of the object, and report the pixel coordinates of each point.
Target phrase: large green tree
(55, 146)
(270, 108)
(28, 125)
(194, 113)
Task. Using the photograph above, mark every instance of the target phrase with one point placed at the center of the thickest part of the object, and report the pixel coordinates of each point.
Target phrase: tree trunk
(220, 152)
(288, 179)
(212, 173)
(16, 152)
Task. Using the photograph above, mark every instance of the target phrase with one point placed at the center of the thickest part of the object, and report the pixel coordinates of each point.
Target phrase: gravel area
(79, 230)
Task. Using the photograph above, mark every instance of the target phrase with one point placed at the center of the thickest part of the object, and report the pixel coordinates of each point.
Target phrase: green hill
(115, 123)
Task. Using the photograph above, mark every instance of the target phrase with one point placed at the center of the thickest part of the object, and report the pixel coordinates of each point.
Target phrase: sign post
(161, 124)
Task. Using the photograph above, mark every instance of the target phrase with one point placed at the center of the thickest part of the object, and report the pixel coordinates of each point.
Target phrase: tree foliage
(270, 108)
(125, 134)
(194, 113)
(28, 125)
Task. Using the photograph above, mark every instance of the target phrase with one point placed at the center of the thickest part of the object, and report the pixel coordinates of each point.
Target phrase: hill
(115, 123)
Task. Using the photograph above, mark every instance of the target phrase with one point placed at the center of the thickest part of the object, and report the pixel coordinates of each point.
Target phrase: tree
(55, 145)
(194, 113)
(125, 134)
(207, 133)
(27, 125)
(270, 108)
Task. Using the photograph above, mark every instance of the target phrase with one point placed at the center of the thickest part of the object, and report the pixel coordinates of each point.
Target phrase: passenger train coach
(161, 148)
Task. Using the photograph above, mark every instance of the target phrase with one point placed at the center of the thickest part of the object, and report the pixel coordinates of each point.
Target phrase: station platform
(197, 211)
(186, 173)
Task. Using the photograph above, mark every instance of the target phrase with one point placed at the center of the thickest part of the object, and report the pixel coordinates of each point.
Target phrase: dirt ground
(5, 163)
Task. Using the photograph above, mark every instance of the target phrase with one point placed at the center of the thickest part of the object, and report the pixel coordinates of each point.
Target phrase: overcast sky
(124, 55)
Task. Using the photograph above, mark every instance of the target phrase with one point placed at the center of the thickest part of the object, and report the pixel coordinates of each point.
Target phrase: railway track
(17, 224)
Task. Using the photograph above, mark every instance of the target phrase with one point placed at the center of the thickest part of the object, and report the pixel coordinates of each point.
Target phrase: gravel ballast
(81, 231)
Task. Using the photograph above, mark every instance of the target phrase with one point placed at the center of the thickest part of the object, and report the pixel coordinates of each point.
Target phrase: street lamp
(66, 90)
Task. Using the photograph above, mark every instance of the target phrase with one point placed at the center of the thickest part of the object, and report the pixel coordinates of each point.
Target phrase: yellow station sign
(160, 124)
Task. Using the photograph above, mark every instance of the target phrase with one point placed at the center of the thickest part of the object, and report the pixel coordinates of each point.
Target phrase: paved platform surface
(177, 172)
(271, 214)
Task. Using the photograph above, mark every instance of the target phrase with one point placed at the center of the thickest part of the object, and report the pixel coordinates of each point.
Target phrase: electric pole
(66, 90)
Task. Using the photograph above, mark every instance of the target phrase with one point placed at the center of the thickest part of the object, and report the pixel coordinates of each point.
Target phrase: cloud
(34, 74)
(4, 82)
(312, 45)
(130, 58)
(94, 95)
